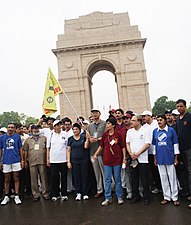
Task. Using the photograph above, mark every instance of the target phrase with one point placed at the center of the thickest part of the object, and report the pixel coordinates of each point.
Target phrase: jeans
(117, 178)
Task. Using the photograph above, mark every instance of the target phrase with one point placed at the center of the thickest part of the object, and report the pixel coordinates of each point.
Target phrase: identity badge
(112, 142)
(36, 146)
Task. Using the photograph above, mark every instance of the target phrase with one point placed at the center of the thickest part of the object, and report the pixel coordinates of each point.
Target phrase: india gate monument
(95, 42)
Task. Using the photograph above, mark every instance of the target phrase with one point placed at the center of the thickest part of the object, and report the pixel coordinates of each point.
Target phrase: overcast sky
(29, 29)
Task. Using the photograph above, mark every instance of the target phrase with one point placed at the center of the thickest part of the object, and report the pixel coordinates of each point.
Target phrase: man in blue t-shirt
(11, 160)
(166, 149)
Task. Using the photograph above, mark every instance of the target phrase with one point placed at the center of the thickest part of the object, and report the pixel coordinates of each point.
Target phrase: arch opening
(104, 92)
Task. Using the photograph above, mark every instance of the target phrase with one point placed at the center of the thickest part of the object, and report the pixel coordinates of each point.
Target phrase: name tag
(36, 146)
(112, 142)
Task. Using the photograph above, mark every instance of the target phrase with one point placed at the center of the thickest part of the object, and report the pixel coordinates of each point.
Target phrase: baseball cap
(146, 112)
(127, 115)
(3, 129)
(85, 122)
(175, 112)
(95, 110)
(112, 111)
(56, 122)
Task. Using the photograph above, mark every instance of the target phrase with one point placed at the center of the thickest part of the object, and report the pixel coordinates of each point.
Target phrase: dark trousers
(1, 183)
(25, 182)
(92, 185)
(80, 174)
(59, 176)
(140, 171)
(154, 177)
(184, 171)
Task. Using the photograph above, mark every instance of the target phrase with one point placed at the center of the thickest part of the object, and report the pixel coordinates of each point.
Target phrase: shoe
(17, 200)
(106, 202)
(36, 199)
(134, 200)
(189, 206)
(27, 195)
(64, 198)
(54, 199)
(5, 200)
(189, 198)
(47, 197)
(98, 195)
(129, 195)
(120, 201)
(146, 202)
(164, 202)
(155, 191)
(78, 197)
(176, 203)
(85, 197)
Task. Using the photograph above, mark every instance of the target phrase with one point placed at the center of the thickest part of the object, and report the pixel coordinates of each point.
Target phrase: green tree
(189, 108)
(162, 104)
(8, 117)
(15, 117)
(30, 120)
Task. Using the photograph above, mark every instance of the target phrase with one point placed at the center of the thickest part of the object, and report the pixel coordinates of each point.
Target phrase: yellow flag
(52, 89)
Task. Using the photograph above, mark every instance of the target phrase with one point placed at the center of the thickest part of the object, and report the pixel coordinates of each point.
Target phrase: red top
(122, 129)
(113, 156)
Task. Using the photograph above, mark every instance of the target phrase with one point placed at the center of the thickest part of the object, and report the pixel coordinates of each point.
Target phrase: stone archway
(95, 42)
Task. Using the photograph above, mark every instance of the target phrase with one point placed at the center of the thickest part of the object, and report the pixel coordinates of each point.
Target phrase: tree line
(160, 106)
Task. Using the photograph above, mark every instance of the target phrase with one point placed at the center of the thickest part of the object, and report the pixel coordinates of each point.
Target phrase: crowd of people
(129, 154)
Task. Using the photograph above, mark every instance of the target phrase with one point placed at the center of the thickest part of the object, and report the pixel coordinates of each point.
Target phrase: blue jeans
(117, 178)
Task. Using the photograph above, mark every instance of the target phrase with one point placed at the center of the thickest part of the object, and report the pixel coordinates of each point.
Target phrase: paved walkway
(92, 213)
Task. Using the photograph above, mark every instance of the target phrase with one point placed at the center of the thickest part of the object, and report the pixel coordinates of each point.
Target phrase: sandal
(164, 202)
(176, 203)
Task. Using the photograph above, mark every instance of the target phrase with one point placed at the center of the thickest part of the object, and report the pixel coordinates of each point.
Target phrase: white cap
(95, 109)
(175, 112)
(146, 112)
(3, 129)
(85, 122)
(56, 122)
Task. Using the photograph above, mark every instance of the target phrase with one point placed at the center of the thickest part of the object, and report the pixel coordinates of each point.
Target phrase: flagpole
(71, 106)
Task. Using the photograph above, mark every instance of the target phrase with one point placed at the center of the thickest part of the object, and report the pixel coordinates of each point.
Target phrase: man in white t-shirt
(56, 160)
(138, 141)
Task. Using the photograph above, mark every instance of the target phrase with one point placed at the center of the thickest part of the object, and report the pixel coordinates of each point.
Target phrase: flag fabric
(52, 89)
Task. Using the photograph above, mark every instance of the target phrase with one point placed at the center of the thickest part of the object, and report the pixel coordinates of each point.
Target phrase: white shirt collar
(165, 128)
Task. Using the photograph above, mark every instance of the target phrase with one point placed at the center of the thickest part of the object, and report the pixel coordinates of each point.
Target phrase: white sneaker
(55, 198)
(78, 197)
(106, 202)
(64, 198)
(120, 201)
(155, 191)
(85, 197)
(17, 200)
(5, 200)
